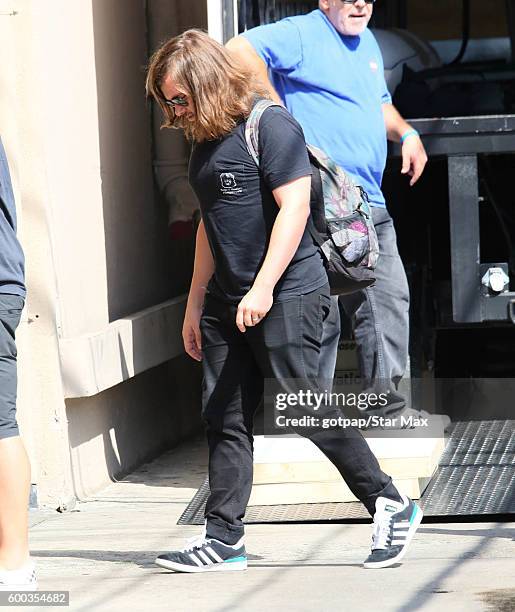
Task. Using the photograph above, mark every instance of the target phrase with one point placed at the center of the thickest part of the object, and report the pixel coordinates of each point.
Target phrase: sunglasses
(176, 101)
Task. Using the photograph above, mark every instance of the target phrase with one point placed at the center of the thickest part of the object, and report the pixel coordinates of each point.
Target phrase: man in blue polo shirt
(17, 570)
(327, 68)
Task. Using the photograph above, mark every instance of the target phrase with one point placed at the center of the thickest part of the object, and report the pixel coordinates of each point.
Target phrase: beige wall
(137, 269)
(78, 134)
(130, 423)
(25, 125)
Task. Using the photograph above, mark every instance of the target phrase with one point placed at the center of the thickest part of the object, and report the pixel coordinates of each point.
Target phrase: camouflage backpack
(341, 221)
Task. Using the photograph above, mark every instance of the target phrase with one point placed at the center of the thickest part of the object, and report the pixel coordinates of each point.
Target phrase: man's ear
(323, 5)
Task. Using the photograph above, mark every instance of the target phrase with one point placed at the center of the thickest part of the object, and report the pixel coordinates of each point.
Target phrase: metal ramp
(475, 476)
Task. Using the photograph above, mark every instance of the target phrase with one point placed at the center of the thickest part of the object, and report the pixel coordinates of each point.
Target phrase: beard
(185, 124)
(181, 122)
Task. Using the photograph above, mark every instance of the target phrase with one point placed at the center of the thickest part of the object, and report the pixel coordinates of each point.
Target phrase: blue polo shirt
(11, 255)
(334, 86)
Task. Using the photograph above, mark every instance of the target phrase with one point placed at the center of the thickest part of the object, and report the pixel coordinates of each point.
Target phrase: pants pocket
(11, 305)
(324, 308)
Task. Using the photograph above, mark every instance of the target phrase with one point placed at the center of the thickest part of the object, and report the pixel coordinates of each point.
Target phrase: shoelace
(381, 532)
(195, 542)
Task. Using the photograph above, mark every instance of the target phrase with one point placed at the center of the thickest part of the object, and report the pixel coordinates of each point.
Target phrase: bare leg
(14, 501)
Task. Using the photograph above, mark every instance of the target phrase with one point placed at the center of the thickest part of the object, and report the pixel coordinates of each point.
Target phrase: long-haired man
(258, 297)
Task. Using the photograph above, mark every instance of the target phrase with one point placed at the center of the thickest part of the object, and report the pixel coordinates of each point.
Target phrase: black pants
(285, 345)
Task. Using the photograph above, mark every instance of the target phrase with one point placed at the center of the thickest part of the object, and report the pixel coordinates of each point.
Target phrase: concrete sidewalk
(103, 554)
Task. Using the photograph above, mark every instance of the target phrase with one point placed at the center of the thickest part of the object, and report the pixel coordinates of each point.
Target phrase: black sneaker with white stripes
(395, 525)
(203, 554)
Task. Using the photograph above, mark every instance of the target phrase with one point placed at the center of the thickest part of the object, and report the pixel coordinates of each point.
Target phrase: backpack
(340, 221)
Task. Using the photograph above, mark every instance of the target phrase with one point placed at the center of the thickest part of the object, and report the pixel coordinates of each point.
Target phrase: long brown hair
(221, 89)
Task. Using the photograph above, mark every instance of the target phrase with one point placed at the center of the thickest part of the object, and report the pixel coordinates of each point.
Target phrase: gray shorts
(10, 313)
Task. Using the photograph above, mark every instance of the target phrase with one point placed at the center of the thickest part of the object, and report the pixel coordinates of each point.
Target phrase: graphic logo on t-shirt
(228, 183)
(373, 66)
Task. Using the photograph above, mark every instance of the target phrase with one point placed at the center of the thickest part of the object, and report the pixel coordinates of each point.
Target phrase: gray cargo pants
(381, 321)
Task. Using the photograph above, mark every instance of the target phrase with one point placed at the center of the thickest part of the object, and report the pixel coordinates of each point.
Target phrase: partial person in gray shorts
(10, 313)
(17, 569)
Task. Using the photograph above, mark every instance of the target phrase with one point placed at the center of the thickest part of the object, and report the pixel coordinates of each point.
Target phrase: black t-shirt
(239, 209)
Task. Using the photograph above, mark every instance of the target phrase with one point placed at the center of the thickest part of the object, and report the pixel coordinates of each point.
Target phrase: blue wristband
(408, 134)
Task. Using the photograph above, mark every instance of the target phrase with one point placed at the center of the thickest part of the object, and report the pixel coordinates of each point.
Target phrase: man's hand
(414, 158)
(191, 332)
(253, 307)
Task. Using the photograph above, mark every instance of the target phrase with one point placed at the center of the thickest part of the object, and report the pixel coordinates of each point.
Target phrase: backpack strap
(252, 127)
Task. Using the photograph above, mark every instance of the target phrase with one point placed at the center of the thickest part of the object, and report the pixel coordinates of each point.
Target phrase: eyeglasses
(354, 1)
(176, 101)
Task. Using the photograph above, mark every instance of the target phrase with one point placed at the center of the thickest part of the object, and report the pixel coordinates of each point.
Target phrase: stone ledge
(93, 363)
